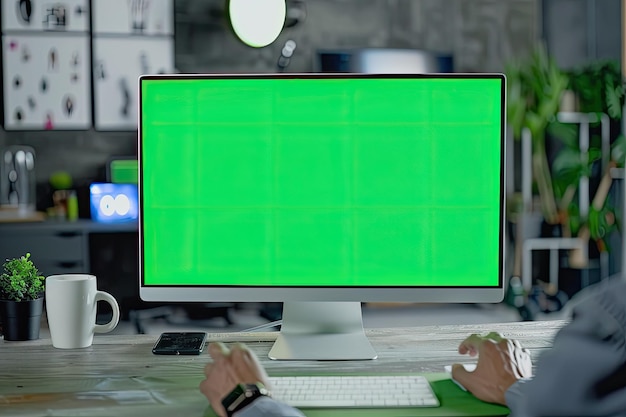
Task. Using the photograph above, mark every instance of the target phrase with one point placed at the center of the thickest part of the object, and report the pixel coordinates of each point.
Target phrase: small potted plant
(21, 299)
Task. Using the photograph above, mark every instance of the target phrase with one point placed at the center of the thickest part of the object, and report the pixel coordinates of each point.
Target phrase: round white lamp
(257, 22)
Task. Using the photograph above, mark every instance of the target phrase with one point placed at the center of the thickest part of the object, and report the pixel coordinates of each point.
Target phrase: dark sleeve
(584, 374)
(268, 407)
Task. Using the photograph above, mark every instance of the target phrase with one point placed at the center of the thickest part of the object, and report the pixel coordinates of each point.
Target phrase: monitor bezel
(217, 293)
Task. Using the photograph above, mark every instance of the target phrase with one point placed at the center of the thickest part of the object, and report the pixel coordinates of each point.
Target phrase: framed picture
(46, 15)
(47, 82)
(139, 17)
(118, 63)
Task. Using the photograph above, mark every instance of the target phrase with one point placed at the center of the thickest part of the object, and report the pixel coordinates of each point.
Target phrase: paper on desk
(469, 367)
(111, 403)
(112, 397)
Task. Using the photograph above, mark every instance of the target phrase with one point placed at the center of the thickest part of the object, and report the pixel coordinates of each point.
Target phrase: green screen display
(321, 181)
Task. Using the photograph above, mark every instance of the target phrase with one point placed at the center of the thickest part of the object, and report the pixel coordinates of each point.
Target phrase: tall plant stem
(543, 178)
(599, 199)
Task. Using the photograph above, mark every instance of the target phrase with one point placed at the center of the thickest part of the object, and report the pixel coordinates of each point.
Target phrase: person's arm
(239, 366)
(501, 363)
(268, 407)
(584, 373)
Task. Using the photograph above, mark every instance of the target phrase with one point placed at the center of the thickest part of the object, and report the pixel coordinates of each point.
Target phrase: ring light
(257, 22)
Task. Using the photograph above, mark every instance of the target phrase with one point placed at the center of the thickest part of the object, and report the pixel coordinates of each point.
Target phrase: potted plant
(21, 299)
(535, 88)
(598, 87)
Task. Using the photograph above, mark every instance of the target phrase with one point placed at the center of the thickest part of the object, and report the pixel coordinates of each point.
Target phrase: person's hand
(501, 362)
(238, 365)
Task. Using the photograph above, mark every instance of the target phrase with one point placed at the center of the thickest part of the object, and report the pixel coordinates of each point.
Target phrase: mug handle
(105, 328)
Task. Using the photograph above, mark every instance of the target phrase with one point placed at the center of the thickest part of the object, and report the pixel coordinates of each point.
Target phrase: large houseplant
(535, 88)
(535, 91)
(598, 88)
(21, 299)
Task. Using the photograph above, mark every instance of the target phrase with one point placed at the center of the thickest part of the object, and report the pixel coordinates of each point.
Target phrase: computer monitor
(321, 191)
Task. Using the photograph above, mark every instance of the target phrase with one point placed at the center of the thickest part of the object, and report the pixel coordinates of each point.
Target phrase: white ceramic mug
(71, 301)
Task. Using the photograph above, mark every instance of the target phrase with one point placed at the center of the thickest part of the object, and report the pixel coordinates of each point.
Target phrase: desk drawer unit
(54, 252)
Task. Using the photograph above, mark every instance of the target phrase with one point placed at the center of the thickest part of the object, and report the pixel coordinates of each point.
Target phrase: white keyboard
(354, 391)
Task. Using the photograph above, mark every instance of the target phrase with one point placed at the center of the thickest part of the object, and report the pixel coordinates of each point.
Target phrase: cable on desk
(262, 327)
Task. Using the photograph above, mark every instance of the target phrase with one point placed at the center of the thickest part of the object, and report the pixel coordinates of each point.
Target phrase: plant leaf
(613, 101)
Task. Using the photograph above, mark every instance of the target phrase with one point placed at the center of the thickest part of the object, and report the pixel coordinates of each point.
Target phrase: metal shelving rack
(583, 120)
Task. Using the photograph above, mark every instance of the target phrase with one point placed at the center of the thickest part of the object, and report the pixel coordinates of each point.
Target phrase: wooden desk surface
(119, 376)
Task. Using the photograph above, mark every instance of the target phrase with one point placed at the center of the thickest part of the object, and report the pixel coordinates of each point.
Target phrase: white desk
(119, 376)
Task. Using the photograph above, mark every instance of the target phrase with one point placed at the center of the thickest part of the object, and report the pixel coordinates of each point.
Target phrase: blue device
(110, 203)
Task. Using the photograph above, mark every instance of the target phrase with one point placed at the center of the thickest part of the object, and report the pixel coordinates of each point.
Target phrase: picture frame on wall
(133, 17)
(45, 15)
(130, 38)
(46, 81)
(118, 63)
(46, 59)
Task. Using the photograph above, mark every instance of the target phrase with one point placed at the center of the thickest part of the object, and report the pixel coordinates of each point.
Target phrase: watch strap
(242, 395)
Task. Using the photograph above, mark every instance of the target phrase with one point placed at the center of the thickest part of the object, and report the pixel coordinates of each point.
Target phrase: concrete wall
(482, 35)
(579, 32)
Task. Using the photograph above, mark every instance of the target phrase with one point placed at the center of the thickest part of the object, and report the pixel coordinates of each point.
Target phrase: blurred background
(562, 58)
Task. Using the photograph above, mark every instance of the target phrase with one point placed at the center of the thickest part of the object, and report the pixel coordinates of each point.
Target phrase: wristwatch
(243, 395)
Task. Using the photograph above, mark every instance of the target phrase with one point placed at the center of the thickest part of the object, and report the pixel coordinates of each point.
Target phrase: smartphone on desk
(180, 343)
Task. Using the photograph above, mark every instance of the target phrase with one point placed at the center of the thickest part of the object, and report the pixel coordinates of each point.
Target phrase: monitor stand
(322, 331)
